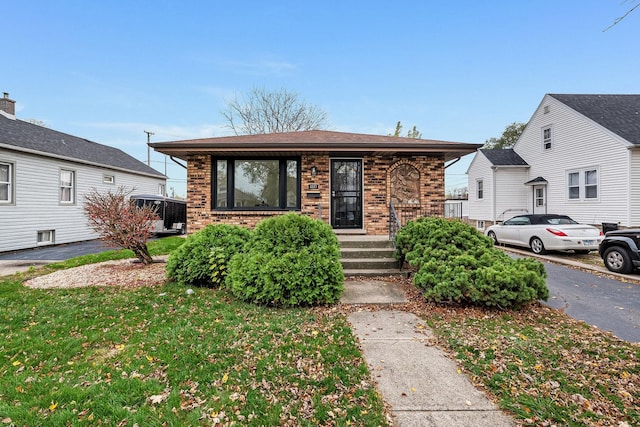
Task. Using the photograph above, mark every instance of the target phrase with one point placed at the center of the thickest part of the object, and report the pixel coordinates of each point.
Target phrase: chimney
(7, 105)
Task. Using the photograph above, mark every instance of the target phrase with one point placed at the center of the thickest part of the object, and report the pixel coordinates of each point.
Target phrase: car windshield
(559, 220)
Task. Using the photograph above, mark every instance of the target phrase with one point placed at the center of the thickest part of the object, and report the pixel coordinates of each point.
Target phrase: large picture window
(256, 184)
(6, 183)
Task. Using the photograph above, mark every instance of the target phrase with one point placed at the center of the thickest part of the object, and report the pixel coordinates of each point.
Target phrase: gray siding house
(44, 176)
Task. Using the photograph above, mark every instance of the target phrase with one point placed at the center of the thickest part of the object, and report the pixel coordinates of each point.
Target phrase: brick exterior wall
(376, 194)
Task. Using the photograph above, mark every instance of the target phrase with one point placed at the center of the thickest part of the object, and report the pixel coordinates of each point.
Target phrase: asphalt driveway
(593, 294)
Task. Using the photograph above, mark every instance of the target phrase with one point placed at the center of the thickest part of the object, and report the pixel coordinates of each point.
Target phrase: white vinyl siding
(504, 192)
(579, 145)
(36, 206)
(479, 169)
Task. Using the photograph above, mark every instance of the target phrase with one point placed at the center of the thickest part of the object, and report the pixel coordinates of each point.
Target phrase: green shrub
(291, 260)
(455, 263)
(202, 259)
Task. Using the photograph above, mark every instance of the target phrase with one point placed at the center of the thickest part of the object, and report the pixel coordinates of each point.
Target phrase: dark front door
(346, 193)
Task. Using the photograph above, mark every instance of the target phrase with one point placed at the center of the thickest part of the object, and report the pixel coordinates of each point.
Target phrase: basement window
(45, 237)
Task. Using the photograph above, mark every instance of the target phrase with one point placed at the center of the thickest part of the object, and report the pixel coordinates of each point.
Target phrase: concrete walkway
(420, 383)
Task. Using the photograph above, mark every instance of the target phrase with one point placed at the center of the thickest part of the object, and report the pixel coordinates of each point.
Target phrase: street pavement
(606, 300)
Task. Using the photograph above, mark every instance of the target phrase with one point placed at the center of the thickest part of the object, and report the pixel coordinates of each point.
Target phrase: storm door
(539, 199)
(346, 193)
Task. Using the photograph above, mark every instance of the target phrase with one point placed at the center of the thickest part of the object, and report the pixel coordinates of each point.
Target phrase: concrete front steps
(368, 256)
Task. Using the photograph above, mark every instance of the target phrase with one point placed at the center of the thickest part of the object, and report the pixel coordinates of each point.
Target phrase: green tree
(508, 138)
(413, 133)
(262, 111)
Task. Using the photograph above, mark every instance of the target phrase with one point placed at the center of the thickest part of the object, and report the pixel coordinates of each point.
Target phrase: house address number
(313, 186)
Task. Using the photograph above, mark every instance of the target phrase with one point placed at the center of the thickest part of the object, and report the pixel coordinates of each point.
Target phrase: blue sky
(459, 71)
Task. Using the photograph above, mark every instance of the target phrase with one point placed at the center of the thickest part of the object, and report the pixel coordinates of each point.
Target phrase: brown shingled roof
(314, 141)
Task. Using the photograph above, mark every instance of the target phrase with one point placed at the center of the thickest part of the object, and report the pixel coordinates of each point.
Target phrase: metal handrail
(394, 224)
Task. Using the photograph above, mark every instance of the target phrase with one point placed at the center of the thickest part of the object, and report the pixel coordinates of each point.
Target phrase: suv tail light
(559, 233)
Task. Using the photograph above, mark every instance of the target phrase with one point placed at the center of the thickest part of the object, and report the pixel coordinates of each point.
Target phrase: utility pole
(148, 148)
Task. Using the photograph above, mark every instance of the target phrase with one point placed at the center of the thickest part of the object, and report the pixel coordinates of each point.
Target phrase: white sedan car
(544, 233)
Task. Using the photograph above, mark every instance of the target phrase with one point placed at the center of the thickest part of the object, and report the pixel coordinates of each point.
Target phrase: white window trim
(42, 233)
(10, 183)
(582, 185)
(479, 183)
(546, 141)
(72, 187)
(108, 179)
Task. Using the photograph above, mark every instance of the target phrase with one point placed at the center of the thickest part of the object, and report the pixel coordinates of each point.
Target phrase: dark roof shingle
(25, 136)
(618, 113)
(503, 157)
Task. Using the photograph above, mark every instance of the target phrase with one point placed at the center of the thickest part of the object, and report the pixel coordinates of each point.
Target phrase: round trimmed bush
(456, 263)
(291, 260)
(202, 260)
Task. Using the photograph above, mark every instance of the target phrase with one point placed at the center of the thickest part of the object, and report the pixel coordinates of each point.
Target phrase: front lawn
(164, 356)
(159, 356)
(541, 365)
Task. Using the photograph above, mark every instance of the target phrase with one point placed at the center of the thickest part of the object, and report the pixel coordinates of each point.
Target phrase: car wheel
(493, 237)
(617, 259)
(537, 246)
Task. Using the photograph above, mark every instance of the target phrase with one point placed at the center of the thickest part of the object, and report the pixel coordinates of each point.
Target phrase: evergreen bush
(456, 263)
(202, 260)
(291, 260)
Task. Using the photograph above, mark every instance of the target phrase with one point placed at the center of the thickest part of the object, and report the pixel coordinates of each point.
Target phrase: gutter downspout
(177, 162)
(453, 163)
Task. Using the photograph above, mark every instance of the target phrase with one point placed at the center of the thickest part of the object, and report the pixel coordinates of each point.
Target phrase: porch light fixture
(314, 171)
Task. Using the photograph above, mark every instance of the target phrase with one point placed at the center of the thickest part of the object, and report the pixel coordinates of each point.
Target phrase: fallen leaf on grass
(159, 398)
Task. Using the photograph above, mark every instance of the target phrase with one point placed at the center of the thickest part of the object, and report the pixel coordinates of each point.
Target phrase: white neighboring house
(45, 175)
(493, 193)
(581, 157)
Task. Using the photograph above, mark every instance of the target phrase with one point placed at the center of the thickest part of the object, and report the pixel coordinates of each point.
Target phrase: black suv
(620, 250)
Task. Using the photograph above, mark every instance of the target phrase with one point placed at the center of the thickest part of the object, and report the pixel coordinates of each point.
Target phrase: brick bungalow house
(348, 180)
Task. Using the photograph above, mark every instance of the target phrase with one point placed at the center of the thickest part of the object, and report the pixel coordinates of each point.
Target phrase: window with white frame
(108, 179)
(546, 138)
(67, 186)
(480, 189)
(45, 237)
(583, 184)
(161, 189)
(6, 183)
(573, 183)
(591, 184)
(480, 224)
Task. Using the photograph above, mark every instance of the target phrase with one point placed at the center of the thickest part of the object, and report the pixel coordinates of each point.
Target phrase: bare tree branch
(263, 112)
(617, 20)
